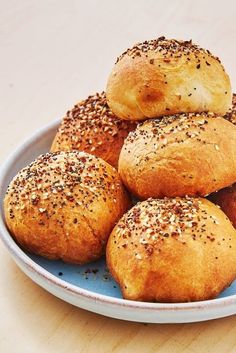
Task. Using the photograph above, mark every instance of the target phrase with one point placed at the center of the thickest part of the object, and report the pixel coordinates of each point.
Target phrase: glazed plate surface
(91, 287)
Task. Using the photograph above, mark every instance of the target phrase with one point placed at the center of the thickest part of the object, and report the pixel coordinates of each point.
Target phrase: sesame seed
(42, 210)
(168, 48)
(67, 179)
(231, 115)
(91, 123)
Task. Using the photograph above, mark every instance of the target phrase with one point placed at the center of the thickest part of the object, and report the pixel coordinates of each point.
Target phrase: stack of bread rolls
(164, 132)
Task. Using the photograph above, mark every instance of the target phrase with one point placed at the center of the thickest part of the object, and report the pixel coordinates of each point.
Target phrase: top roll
(165, 77)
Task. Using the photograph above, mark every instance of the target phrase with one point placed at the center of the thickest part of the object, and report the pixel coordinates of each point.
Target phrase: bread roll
(231, 115)
(92, 127)
(226, 199)
(165, 77)
(173, 250)
(64, 206)
(188, 154)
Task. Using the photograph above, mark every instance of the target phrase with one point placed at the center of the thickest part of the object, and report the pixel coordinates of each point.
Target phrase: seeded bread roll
(188, 154)
(173, 250)
(231, 115)
(64, 206)
(92, 127)
(226, 199)
(165, 77)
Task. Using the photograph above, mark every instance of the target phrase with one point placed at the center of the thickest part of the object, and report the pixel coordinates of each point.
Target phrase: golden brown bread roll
(173, 250)
(188, 154)
(231, 115)
(164, 77)
(64, 206)
(92, 127)
(226, 199)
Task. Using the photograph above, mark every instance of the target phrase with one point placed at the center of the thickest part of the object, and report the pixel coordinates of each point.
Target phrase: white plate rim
(20, 257)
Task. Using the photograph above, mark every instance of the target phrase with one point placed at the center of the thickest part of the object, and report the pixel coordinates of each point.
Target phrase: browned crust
(173, 250)
(92, 127)
(231, 115)
(226, 199)
(167, 78)
(64, 206)
(188, 154)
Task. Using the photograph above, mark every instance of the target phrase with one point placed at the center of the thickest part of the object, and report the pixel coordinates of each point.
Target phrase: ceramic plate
(91, 286)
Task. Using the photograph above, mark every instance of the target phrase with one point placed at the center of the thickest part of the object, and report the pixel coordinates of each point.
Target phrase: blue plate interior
(94, 276)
